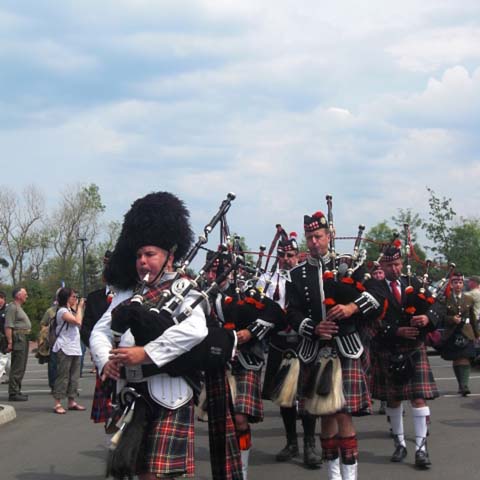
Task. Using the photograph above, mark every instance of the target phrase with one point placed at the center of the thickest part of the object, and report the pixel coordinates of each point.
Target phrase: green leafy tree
(408, 217)
(438, 227)
(379, 234)
(464, 245)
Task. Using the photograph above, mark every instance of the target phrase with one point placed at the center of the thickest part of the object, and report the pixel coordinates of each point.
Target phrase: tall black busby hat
(160, 219)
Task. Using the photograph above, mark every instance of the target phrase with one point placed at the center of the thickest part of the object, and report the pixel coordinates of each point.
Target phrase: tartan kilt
(169, 443)
(221, 424)
(358, 401)
(422, 385)
(355, 386)
(102, 401)
(248, 399)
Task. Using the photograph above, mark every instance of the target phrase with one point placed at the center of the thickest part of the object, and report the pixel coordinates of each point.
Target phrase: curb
(7, 414)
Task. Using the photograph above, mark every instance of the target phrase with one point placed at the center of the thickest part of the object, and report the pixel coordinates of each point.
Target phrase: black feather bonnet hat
(160, 219)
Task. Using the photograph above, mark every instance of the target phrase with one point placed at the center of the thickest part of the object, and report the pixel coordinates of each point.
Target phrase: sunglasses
(288, 255)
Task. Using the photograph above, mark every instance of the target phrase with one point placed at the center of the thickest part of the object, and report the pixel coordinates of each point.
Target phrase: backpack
(47, 338)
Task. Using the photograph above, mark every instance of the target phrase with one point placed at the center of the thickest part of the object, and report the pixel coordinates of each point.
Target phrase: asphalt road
(39, 445)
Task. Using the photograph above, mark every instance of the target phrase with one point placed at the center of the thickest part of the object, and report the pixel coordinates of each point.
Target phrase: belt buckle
(134, 374)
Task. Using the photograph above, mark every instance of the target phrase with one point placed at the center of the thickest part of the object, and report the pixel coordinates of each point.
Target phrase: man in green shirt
(17, 329)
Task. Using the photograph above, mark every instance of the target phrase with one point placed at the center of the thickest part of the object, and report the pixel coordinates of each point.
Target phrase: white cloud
(429, 50)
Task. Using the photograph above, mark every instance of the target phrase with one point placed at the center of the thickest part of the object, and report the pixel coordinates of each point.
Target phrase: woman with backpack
(68, 350)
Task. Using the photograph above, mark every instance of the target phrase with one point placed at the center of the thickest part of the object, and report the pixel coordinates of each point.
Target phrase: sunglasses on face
(288, 255)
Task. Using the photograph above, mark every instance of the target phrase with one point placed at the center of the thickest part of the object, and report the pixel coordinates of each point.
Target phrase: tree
(22, 230)
(464, 245)
(408, 217)
(75, 218)
(438, 228)
(378, 235)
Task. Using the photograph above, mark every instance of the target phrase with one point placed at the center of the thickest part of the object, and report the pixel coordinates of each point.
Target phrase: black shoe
(422, 460)
(399, 454)
(18, 397)
(287, 453)
(465, 391)
(311, 459)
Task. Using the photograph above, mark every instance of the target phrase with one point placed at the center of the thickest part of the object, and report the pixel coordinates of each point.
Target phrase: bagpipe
(418, 299)
(343, 283)
(244, 306)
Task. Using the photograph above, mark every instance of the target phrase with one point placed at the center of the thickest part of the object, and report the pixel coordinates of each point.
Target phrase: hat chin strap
(162, 270)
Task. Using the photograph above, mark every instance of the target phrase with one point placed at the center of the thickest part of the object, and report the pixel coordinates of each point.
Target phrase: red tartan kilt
(422, 385)
(169, 444)
(102, 404)
(248, 400)
(355, 386)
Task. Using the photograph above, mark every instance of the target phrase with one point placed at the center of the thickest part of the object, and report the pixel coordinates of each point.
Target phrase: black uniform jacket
(397, 315)
(96, 306)
(303, 294)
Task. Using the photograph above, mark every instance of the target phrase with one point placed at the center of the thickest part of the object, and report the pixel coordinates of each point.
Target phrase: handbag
(401, 367)
(457, 341)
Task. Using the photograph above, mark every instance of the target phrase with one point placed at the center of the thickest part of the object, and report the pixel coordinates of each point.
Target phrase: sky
(280, 102)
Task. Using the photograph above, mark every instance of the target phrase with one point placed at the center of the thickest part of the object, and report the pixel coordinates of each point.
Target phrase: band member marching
(334, 383)
(401, 370)
(460, 332)
(253, 316)
(156, 231)
(286, 342)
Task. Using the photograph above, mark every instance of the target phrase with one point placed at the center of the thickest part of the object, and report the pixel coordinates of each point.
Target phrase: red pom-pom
(328, 275)
(228, 300)
(409, 290)
(318, 214)
(330, 302)
(359, 286)
(293, 235)
(397, 243)
(410, 310)
(348, 280)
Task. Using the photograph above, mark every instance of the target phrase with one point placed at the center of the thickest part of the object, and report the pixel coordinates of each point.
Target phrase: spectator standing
(17, 329)
(68, 350)
(4, 357)
(48, 317)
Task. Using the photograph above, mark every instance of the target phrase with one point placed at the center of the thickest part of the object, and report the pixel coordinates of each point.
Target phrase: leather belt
(140, 373)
